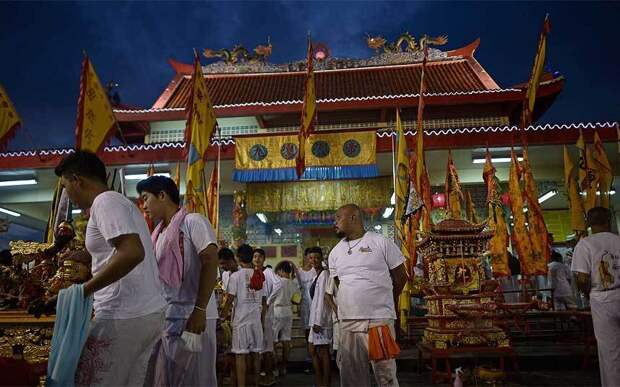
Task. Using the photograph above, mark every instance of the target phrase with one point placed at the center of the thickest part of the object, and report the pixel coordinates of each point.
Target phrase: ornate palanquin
(23, 329)
(461, 303)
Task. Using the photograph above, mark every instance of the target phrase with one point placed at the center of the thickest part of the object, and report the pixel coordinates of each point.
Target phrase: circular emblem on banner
(351, 148)
(288, 151)
(320, 149)
(258, 152)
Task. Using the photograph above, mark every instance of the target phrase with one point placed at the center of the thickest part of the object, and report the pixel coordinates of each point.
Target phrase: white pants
(323, 338)
(282, 328)
(267, 335)
(173, 365)
(336, 339)
(605, 308)
(247, 338)
(117, 352)
(353, 359)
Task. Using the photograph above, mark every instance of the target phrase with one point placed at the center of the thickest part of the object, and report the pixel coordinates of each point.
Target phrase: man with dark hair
(321, 334)
(272, 287)
(370, 274)
(305, 276)
(596, 263)
(227, 263)
(250, 306)
(127, 300)
(186, 252)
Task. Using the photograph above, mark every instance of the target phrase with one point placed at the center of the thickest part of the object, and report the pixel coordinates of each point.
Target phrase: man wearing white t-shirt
(250, 306)
(596, 263)
(271, 287)
(186, 252)
(369, 272)
(127, 300)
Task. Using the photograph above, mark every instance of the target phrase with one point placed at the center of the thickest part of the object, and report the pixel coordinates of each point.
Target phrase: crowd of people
(159, 321)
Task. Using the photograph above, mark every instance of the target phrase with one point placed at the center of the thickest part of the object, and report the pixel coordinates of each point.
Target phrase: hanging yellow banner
(272, 158)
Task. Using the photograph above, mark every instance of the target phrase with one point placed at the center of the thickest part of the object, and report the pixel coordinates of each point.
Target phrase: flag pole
(394, 134)
(219, 176)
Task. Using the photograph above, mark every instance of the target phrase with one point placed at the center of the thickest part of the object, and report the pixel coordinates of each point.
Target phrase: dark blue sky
(41, 47)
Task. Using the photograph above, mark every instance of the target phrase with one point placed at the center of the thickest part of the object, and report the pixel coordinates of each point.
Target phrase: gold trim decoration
(318, 195)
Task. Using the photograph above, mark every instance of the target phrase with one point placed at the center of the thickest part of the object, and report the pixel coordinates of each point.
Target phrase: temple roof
(386, 75)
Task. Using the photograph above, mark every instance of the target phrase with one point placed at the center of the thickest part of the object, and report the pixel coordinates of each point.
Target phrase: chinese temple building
(258, 104)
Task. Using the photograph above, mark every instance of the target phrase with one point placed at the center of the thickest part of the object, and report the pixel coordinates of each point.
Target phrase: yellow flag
(201, 124)
(537, 70)
(539, 237)
(453, 189)
(470, 210)
(401, 191)
(213, 197)
(308, 115)
(9, 119)
(604, 170)
(577, 220)
(95, 120)
(498, 246)
(520, 235)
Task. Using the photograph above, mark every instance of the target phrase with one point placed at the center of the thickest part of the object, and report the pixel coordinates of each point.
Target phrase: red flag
(213, 197)
(308, 115)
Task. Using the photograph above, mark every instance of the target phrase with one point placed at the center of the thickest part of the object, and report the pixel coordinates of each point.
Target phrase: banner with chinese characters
(329, 156)
(319, 195)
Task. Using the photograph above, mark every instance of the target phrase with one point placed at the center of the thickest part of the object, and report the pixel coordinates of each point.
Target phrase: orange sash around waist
(381, 346)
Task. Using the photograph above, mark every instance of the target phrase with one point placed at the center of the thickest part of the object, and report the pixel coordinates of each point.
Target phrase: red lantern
(506, 199)
(439, 200)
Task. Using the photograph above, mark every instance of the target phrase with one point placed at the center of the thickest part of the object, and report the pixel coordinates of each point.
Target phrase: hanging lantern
(439, 200)
(506, 199)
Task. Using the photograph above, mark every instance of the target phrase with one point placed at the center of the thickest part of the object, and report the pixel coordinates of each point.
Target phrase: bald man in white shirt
(369, 271)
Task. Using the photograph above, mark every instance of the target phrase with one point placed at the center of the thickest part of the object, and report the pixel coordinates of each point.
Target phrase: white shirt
(272, 287)
(599, 256)
(332, 290)
(559, 279)
(225, 278)
(198, 234)
(139, 292)
(320, 313)
(248, 302)
(305, 279)
(283, 307)
(365, 290)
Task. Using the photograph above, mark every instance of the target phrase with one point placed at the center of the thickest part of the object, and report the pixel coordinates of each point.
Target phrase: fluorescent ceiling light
(548, 195)
(611, 192)
(76, 211)
(497, 160)
(393, 199)
(388, 212)
(278, 231)
(378, 227)
(12, 183)
(142, 176)
(9, 212)
(262, 217)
